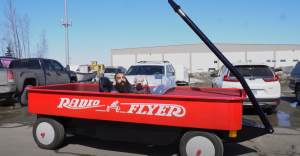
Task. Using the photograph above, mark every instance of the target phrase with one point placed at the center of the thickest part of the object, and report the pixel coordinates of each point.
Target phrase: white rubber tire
(197, 143)
(48, 133)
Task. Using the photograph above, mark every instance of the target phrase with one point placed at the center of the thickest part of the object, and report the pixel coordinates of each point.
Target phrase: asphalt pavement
(16, 136)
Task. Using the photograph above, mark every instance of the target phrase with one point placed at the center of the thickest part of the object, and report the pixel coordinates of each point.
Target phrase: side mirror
(213, 75)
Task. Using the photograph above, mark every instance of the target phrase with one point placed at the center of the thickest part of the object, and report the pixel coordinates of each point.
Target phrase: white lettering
(73, 102)
(83, 102)
(170, 111)
(161, 110)
(90, 103)
(96, 102)
(151, 109)
(140, 110)
(132, 108)
(178, 110)
(63, 102)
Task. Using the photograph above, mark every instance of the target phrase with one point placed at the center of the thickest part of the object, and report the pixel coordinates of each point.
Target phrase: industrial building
(199, 58)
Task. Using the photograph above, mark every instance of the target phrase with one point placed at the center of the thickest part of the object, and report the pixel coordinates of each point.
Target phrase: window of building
(239, 60)
(215, 61)
(283, 60)
(268, 60)
(295, 60)
(249, 61)
(273, 60)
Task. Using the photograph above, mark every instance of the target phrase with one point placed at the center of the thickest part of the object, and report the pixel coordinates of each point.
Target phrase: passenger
(137, 88)
(122, 85)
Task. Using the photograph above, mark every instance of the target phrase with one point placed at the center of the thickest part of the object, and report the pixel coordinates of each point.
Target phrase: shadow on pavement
(127, 147)
(230, 149)
(233, 149)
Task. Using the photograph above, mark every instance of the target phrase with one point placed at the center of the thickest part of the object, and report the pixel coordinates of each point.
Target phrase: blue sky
(99, 25)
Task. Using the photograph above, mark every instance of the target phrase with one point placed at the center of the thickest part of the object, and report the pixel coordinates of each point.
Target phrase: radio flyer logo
(114, 105)
(168, 110)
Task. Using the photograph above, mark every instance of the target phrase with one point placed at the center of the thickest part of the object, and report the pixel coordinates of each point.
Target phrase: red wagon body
(207, 108)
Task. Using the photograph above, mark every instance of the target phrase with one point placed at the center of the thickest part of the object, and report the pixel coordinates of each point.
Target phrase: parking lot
(16, 135)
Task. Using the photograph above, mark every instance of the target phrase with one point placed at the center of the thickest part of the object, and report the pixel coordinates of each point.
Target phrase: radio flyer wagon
(200, 119)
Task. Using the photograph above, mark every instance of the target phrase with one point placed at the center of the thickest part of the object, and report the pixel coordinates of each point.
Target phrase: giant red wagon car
(199, 119)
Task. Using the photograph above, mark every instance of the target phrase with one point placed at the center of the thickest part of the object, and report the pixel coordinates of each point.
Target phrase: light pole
(66, 26)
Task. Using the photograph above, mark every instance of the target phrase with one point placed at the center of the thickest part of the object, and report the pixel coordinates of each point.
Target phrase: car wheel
(48, 133)
(298, 93)
(72, 81)
(23, 97)
(200, 143)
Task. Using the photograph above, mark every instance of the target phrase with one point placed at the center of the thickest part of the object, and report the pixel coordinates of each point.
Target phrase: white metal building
(198, 57)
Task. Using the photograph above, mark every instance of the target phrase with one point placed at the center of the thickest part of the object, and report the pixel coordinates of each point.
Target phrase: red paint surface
(211, 109)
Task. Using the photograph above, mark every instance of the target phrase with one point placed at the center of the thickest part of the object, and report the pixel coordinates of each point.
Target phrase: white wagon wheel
(48, 133)
(197, 143)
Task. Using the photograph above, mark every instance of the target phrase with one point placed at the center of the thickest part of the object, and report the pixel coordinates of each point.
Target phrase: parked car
(23, 73)
(150, 69)
(261, 79)
(4, 75)
(111, 71)
(181, 75)
(295, 81)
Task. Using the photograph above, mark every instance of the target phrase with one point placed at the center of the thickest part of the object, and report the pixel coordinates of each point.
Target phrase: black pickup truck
(23, 73)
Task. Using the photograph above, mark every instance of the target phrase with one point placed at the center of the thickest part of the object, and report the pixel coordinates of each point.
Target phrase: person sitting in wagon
(137, 87)
(122, 85)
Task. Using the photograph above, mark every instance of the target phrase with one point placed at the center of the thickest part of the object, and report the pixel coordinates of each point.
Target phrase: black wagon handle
(224, 60)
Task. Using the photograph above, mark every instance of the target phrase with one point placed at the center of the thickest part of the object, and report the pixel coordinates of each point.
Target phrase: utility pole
(66, 27)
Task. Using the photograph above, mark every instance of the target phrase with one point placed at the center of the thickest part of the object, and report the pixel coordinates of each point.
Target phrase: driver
(122, 85)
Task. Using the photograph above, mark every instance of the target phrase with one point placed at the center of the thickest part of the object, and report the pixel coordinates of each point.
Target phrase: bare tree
(11, 16)
(22, 27)
(1, 46)
(26, 24)
(42, 47)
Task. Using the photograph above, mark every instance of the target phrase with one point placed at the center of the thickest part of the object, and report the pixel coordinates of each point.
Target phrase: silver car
(111, 71)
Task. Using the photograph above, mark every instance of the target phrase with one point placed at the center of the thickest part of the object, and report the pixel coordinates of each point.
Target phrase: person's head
(139, 79)
(120, 79)
(122, 85)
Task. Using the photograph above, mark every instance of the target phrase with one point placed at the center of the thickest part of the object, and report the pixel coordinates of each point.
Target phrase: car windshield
(145, 70)
(256, 71)
(112, 70)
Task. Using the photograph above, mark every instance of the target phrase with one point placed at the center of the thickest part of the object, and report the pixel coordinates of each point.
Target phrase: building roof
(202, 48)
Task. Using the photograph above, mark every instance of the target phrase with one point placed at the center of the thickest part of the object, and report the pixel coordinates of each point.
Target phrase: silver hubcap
(200, 146)
(45, 133)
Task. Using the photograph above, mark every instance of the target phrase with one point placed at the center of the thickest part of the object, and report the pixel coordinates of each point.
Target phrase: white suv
(261, 79)
(150, 69)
